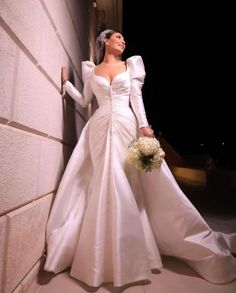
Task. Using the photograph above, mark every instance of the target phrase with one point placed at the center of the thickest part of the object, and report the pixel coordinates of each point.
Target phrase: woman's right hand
(64, 74)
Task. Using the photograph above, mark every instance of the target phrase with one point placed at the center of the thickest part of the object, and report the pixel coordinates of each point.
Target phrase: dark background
(187, 48)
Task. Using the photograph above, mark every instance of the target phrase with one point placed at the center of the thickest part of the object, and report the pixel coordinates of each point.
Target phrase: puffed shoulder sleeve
(137, 74)
(82, 98)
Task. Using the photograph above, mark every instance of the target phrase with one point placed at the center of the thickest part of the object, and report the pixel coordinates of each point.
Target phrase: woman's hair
(100, 45)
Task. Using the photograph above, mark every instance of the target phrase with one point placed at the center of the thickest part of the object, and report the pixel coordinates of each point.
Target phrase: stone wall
(38, 127)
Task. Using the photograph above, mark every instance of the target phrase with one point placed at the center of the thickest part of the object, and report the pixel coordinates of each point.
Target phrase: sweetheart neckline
(110, 83)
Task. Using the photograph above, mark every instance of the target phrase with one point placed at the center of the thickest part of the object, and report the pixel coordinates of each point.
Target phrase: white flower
(145, 153)
(148, 145)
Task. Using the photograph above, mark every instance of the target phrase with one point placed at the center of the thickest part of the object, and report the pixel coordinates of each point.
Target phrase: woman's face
(116, 43)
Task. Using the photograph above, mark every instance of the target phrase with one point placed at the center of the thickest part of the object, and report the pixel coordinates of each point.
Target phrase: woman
(110, 222)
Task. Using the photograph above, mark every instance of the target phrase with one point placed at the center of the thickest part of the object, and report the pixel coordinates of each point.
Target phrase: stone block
(8, 63)
(32, 27)
(38, 104)
(18, 167)
(26, 239)
(3, 225)
(79, 11)
(61, 18)
(51, 166)
(30, 284)
(69, 124)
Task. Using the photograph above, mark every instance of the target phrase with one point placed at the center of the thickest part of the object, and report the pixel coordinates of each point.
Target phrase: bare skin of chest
(109, 71)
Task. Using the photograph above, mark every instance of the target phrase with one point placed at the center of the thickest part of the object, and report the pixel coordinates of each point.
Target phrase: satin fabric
(110, 222)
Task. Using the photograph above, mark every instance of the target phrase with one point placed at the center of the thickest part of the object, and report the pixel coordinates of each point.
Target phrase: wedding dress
(110, 222)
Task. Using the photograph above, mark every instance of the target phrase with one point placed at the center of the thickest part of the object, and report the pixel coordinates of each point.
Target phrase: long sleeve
(137, 73)
(84, 98)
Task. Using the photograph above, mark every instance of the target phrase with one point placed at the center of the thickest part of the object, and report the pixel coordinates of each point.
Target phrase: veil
(100, 46)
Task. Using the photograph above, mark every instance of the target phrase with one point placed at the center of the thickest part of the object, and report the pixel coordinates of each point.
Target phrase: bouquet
(145, 153)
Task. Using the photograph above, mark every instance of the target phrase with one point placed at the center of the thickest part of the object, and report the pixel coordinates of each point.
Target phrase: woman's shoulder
(87, 68)
(136, 66)
(88, 63)
(134, 59)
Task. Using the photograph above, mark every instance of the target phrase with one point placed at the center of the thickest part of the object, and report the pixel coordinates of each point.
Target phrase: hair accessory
(100, 46)
(101, 37)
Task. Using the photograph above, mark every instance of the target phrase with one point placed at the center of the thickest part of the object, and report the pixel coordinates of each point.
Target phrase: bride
(110, 222)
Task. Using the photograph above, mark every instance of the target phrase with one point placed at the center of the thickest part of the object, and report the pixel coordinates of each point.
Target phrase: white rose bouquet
(145, 153)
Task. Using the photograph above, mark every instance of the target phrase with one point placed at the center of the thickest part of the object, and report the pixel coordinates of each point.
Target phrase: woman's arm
(137, 72)
(83, 99)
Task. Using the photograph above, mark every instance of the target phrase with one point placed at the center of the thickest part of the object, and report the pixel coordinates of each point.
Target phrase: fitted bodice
(122, 95)
(115, 93)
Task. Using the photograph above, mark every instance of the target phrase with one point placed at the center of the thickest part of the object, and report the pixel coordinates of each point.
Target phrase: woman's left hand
(147, 131)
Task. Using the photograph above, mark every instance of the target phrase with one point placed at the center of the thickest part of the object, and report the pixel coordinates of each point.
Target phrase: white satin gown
(110, 222)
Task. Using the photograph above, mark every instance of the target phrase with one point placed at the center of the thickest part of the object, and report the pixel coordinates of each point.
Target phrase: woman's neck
(110, 59)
